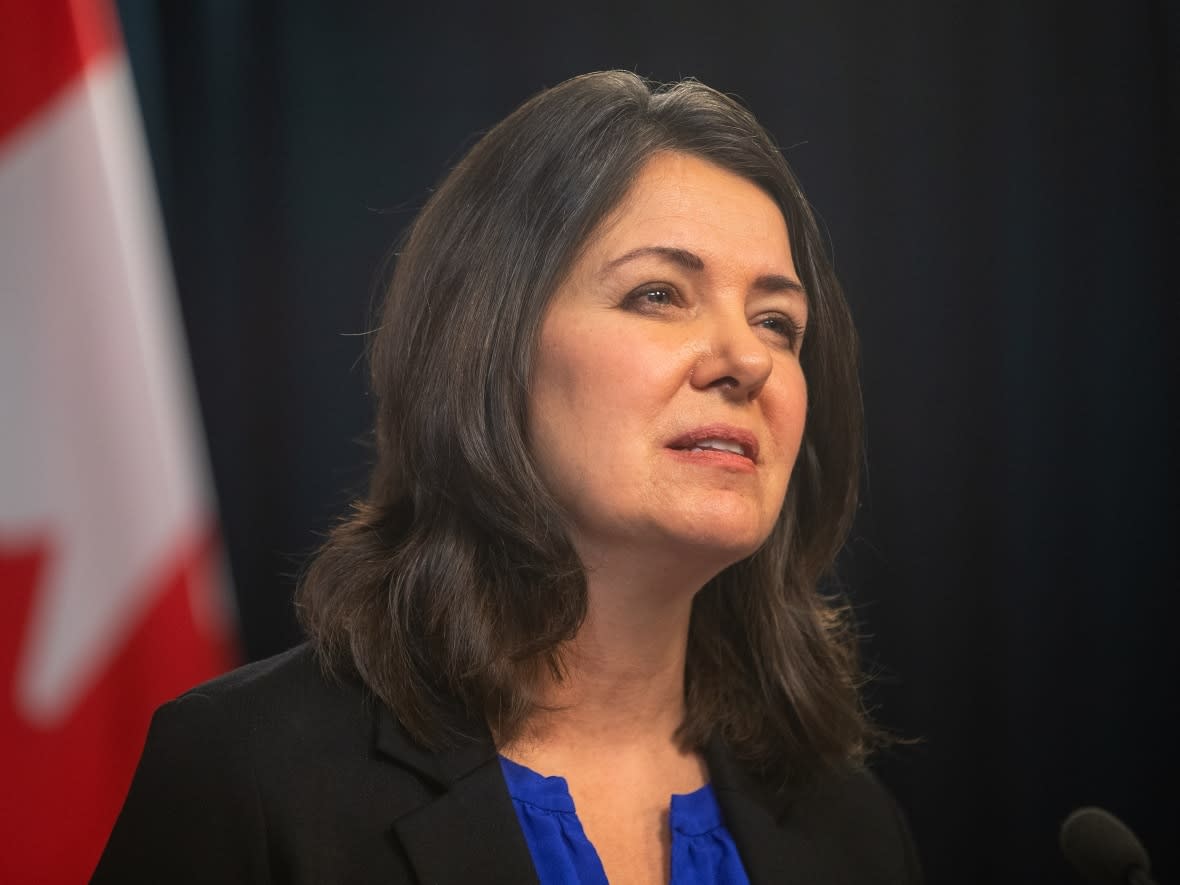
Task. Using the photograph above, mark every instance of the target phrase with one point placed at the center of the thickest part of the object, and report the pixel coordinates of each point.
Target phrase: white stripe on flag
(99, 438)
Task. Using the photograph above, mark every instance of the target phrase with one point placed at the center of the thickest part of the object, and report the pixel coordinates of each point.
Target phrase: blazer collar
(468, 831)
(441, 768)
(774, 849)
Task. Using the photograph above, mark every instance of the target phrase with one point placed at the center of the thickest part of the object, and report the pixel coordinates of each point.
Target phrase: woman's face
(667, 400)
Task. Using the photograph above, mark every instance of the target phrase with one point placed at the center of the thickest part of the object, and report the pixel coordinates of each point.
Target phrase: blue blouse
(703, 852)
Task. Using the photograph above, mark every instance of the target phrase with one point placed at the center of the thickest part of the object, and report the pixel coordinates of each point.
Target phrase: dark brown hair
(453, 577)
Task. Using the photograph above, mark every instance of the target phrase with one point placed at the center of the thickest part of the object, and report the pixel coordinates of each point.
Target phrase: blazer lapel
(773, 851)
(468, 831)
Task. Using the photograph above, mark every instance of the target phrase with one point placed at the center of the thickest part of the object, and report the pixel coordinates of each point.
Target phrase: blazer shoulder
(291, 673)
(853, 787)
(843, 827)
(214, 797)
(285, 698)
(852, 814)
(193, 812)
(271, 772)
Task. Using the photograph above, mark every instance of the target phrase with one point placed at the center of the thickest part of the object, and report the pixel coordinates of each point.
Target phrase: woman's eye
(651, 296)
(785, 327)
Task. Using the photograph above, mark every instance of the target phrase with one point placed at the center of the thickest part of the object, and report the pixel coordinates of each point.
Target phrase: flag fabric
(112, 593)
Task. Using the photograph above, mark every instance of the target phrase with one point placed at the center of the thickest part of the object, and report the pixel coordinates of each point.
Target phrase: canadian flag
(112, 594)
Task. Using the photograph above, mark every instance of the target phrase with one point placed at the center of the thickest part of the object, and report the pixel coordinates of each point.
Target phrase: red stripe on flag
(43, 48)
(66, 783)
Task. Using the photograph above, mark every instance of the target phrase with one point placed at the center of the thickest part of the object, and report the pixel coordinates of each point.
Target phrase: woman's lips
(714, 458)
(719, 444)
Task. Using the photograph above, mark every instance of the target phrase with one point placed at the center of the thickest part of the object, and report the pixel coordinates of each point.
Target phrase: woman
(573, 631)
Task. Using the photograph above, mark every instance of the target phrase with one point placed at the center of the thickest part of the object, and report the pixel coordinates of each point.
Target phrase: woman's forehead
(686, 209)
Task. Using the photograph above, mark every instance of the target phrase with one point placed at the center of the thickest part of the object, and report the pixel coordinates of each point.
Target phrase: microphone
(1103, 849)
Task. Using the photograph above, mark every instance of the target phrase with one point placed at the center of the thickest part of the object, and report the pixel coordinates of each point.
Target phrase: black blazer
(273, 773)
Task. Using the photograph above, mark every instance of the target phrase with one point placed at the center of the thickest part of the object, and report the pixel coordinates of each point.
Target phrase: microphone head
(1101, 847)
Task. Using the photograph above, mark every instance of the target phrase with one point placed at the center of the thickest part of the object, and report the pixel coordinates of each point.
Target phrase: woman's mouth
(722, 445)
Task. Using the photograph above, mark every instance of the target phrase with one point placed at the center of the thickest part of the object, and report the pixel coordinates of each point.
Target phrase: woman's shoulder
(286, 705)
(839, 825)
(846, 789)
(850, 814)
(266, 769)
(289, 675)
(260, 697)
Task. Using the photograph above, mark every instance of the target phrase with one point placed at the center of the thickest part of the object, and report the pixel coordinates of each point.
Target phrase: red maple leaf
(64, 783)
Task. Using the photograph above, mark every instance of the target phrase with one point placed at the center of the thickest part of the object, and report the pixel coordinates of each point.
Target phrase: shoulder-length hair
(454, 577)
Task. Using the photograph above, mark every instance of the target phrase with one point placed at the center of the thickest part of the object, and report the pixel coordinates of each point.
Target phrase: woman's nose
(733, 356)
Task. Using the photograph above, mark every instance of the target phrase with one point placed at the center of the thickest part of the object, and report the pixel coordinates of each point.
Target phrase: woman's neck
(623, 679)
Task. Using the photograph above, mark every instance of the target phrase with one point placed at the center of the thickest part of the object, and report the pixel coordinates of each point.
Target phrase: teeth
(720, 445)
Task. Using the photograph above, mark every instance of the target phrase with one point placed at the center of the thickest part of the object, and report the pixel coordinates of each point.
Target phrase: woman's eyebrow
(692, 262)
(684, 258)
(779, 283)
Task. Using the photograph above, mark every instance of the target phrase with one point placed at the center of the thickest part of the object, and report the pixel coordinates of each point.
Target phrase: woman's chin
(695, 543)
(715, 546)
(733, 528)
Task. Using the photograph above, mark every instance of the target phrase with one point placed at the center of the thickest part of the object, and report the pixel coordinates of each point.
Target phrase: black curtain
(999, 183)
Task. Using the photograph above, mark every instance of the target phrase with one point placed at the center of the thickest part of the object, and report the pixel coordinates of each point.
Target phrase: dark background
(999, 182)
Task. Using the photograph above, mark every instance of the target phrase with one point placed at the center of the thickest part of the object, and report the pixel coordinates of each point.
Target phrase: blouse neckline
(692, 814)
